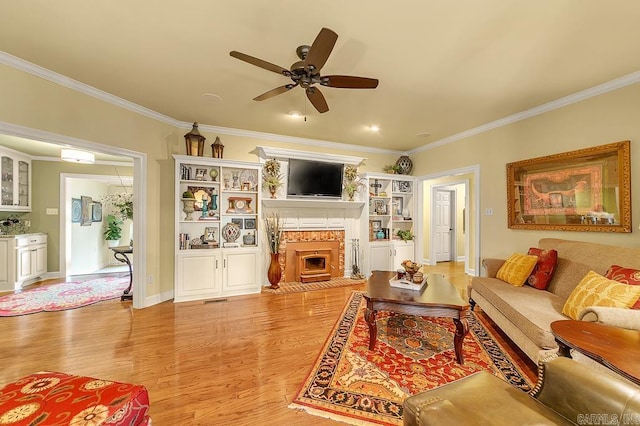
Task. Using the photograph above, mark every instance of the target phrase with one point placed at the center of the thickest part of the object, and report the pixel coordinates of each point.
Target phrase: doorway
(465, 232)
(444, 224)
(140, 196)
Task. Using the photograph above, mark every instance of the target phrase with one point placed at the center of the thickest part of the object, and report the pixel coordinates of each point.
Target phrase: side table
(120, 253)
(614, 347)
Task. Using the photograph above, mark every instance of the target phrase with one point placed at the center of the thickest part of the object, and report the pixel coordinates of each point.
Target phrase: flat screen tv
(314, 179)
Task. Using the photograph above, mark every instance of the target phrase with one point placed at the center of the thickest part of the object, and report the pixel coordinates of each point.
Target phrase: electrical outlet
(52, 211)
(27, 223)
(488, 212)
(149, 279)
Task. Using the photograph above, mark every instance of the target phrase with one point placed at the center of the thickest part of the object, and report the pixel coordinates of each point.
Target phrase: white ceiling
(444, 66)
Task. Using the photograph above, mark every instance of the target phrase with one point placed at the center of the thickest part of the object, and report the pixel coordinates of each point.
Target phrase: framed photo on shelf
(250, 224)
(376, 225)
(200, 174)
(210, 233)
(238, 222)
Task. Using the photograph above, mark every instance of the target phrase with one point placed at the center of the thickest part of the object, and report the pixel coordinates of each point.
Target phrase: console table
(614, 347)
(120, 253)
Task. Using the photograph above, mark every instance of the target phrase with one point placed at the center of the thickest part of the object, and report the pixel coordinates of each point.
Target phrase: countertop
(21, 235)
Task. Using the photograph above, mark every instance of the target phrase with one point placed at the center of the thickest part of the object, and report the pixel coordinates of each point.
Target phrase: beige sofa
(525, 313)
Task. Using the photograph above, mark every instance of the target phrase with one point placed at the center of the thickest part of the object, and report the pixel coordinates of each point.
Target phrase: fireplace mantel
(311, 203)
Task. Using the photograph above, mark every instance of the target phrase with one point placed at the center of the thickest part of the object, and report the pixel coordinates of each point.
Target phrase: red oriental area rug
(413, 354)
(62, 296)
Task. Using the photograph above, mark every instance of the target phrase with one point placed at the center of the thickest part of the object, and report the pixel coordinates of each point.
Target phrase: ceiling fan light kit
(306, 72)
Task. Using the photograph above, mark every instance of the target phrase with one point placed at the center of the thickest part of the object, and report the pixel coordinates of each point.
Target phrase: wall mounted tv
(314, 179)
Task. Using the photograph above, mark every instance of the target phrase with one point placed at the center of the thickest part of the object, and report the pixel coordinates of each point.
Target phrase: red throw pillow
(626, 276)
(543, 271)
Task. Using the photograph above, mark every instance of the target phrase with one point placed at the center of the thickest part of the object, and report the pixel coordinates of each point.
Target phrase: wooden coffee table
(617, 348)
(438, 298)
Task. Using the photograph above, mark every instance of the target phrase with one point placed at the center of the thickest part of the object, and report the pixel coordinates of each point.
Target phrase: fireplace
(309, 256)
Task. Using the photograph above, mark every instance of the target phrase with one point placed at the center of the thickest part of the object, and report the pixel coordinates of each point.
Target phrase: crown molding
(54, 77)
(600, 89)
(265, 152)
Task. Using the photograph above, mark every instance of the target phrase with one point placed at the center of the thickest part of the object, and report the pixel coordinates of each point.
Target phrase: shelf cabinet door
(40, 260)
(15, 182)
(240, 271)
(198, 275)
(402, 250)
(380, 257)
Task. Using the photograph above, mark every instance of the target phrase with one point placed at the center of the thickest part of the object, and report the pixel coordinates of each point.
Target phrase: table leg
(370, 318)
(127, 295)
(563, 350)
(462, 328)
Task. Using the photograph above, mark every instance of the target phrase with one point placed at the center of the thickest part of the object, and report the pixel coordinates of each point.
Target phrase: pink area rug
(62, 296)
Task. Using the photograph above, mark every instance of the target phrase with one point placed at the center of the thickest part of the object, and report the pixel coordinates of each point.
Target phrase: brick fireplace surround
(332, 240)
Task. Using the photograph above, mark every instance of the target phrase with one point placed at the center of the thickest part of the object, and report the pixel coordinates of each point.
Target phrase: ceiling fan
(306, 72)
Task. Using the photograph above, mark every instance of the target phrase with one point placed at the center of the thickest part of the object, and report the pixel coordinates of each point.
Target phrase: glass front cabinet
(217, 232)
(15, 181)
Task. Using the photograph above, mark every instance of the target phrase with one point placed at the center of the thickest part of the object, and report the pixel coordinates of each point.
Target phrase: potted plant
(405, 235)
(271, 176)
(351, 181)
(273, 229)
(114, 230)
(392, 169)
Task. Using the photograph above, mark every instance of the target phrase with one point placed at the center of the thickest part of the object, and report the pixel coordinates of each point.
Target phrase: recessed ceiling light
(374, 128)
(295, 114)
(213, 96)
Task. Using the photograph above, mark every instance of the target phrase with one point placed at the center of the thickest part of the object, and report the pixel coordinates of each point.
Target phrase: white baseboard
(158, 298)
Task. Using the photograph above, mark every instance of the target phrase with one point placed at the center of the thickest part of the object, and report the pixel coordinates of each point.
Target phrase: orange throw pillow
(626, 276)
(543, 271)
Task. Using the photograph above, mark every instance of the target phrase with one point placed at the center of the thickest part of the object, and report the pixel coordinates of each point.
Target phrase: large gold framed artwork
(584, 190)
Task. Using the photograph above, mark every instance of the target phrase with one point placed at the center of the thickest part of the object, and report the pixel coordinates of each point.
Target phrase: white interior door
(443, 225)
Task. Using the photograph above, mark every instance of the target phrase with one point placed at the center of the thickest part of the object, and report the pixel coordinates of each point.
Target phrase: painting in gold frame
(584, 190)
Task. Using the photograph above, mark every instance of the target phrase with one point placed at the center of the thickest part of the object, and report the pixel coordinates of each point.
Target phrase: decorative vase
(274, 273)
(189, 207)
(214, 202)
(405, 165)
(272, 191)
(113, 243)
(213, 173)
(380, 235)
(231, 232)
(249, 240)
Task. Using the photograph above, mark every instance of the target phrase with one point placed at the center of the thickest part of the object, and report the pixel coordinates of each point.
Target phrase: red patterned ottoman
(48, 398)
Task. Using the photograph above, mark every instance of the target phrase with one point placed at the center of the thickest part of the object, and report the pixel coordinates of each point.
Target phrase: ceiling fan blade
(321, 48)
(273, 92)
(260, 63)
(349, 82)
(317, 99)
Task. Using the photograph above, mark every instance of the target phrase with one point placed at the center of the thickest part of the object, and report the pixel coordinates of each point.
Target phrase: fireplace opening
(313, 265)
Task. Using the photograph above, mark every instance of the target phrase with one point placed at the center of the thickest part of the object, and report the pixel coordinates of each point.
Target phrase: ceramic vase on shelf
(189, 207)
(113, 243)
(274, 273)
(272, 191)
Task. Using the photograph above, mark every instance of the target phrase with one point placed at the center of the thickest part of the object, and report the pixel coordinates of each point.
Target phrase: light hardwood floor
(237, 361)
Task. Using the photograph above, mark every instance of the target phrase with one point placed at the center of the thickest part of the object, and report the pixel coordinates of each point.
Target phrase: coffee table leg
(370, 318)
(462, 328)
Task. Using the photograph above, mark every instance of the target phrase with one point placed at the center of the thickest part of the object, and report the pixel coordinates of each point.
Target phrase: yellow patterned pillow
(596, 290)
(517, 268)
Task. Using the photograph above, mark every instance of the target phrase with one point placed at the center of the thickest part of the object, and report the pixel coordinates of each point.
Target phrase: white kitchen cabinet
(15, 181)
(23, 259)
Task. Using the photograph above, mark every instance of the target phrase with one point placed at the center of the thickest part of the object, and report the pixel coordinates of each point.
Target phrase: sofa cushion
(626, 276)
(517, 268)
(566, 277)
(529, 309)
(596, 290)
(543, 271)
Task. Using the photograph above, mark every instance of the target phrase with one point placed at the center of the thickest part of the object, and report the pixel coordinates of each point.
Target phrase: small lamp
(195, 141)
(217, 148)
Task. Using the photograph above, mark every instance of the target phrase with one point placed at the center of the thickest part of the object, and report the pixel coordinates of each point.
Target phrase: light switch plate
(51, 211)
